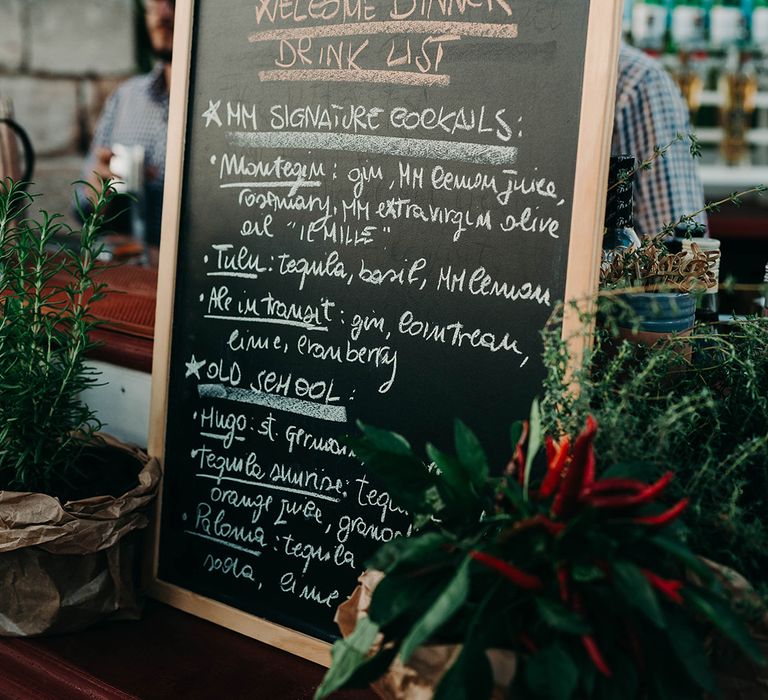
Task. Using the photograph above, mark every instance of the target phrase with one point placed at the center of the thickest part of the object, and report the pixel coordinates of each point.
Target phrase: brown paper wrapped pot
(419, 678)
(64, 567)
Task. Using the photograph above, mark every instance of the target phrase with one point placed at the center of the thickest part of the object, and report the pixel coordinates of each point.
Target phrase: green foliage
(659, 151)
(698, 406)
(552, 673)
(585, 579)
(43, 340)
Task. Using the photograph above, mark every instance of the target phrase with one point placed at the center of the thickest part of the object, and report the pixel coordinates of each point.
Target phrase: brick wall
(59, 59)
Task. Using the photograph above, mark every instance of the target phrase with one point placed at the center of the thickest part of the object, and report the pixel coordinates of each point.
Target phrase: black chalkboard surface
(371, 209)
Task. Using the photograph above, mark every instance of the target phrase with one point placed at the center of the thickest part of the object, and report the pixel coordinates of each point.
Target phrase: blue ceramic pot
(660, 312)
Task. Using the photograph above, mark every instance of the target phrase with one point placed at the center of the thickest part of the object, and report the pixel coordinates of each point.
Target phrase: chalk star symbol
(193, 367)
(212, 113)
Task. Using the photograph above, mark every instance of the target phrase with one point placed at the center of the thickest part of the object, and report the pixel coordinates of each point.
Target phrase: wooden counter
(168, 655)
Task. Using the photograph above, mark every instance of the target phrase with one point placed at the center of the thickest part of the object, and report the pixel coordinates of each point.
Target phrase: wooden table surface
(166, 655)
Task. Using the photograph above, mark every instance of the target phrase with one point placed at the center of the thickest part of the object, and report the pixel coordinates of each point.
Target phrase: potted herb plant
(72, 501)
(584, 579)
(657, 287)
(654, 288)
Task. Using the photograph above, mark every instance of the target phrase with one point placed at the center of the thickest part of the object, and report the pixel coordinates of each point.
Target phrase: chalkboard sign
(371, 208)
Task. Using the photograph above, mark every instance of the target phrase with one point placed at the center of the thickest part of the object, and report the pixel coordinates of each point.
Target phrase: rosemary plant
(703, 414)
(44, 337)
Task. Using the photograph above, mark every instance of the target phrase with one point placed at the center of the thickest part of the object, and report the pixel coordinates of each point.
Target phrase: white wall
(59, 60)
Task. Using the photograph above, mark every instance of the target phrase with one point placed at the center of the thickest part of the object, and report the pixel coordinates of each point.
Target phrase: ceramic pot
(657, 316)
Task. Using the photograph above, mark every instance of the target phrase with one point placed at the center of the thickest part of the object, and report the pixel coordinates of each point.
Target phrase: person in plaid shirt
(136, 113)
(650, 112)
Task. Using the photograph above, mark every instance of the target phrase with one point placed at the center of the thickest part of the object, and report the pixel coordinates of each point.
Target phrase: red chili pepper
(611, 485)
(557, 458)
(668, 587)
(517, 576)
(552, 448)
(648, 494)
(580, 472)
(663, 518)
(519, 455)
(550, 526)
(516, 465)
(589, 436)
(594, 653)
(657, 487)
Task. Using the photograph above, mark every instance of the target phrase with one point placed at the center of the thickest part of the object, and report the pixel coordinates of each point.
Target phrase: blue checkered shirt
(136, 114)
(649, 112)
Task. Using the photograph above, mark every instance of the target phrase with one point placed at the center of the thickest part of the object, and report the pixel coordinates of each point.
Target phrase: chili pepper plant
(586, 579)
(706, 413)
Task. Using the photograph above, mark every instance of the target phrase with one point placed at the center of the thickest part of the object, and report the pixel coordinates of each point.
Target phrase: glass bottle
(726, 24)
(619, 209)
(649, 23)
(738, 88)
(688, 24)
(760, 23)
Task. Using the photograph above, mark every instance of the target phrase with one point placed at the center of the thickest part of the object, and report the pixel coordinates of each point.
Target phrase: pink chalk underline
(330, 75)
(477, 29)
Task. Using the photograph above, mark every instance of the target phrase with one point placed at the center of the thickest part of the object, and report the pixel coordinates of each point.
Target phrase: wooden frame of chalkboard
(588, 197)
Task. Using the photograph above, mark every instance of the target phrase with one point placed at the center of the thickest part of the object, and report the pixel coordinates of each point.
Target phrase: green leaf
(421, 520)
(406, 479)
(667, 681)
(642, 471)
(515, 433)
(454, 482)
(552, 673)
(557, 616)
(623, 682)
(347, 656)
(684, 555)
(721, 616)
(690, 651)
(535, 436)
(406, 550)
(403, 592)
(372, 669)
(385, 440)
(432, 497)
(587, 573)
(472, 455)
(470, 677)
(451, 598)
(589, 677)
(514, 493)
(637, 592)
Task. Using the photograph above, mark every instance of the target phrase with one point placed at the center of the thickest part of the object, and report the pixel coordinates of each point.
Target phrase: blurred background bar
(717, 51)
